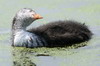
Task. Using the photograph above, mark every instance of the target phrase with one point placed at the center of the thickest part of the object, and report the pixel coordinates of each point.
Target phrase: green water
(87, 11)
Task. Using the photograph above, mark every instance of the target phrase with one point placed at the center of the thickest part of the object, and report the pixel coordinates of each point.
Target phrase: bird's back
(61, 33)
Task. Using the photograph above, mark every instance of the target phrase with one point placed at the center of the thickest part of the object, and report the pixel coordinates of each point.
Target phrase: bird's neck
(18, 26)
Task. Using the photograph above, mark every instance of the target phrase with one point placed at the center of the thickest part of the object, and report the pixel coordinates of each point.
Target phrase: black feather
(63, 33)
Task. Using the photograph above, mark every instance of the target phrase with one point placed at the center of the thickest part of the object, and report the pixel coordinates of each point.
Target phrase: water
(80, 10)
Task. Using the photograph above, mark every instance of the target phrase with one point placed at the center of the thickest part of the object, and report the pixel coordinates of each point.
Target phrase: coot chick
(54, 34)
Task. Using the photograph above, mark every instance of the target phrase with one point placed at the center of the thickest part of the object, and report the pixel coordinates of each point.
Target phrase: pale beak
(37, 16)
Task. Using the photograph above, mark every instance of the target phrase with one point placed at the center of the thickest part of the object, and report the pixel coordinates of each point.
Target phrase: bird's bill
(37, 16)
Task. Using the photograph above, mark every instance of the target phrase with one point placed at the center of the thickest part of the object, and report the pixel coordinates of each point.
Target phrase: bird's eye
(30, 10)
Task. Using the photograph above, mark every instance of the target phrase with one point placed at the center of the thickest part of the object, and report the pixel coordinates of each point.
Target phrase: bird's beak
(37, 16)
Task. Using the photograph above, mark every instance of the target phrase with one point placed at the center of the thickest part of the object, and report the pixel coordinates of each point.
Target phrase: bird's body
(63, 33)
(58, 33)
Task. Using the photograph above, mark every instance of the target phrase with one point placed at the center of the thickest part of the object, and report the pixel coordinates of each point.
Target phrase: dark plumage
(63, 33)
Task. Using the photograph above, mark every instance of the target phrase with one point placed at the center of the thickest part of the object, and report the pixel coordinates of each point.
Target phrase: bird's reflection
(22, 57)
(32, 57)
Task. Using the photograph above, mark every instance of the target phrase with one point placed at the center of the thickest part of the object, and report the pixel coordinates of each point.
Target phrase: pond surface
(83, 54)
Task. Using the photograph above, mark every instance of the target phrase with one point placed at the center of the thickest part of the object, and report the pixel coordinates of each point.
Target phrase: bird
(54, 34)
